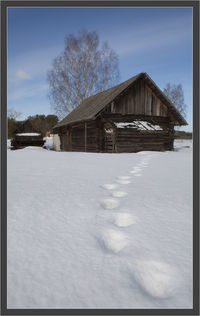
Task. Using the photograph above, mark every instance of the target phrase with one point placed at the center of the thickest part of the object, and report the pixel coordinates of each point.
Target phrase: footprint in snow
(124, 219)
(135, 171)
(156, 278)
(110, 204)
(114, 240)
(119, 193)
(110, 186)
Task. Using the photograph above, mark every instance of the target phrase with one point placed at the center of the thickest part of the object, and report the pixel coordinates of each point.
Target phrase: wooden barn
(132, 116)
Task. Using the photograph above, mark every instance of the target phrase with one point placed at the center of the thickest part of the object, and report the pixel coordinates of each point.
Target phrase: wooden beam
(130, 118)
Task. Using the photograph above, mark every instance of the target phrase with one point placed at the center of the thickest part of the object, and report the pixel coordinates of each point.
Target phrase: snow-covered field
(100, 230)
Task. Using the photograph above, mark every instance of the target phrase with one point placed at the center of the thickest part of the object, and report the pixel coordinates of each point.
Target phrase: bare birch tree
(176, 96)
(81, 70)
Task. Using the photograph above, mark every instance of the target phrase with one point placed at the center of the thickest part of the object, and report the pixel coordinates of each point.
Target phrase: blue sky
(153, 40)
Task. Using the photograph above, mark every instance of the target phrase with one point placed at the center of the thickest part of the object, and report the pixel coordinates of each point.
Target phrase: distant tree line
(37, 123)
(183, 135)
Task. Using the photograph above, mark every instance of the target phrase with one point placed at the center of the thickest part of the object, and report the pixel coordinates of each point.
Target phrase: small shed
(132, 116)
(22, 140)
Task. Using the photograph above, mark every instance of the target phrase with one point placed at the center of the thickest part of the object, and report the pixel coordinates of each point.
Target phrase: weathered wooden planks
(121, 140)
(81, 137)
(139, 100)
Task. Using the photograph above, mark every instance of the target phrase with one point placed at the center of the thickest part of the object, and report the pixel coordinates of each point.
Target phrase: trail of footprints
(115, 240)
(154, 277)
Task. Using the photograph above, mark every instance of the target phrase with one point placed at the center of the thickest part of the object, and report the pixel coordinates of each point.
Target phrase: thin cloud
(21, 74)
(35, 62)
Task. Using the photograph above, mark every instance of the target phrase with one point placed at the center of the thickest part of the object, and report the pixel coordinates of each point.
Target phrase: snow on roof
(28, 134)
(139, 125)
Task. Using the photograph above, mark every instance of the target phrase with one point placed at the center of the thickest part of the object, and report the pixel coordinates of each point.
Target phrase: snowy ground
(100, 230)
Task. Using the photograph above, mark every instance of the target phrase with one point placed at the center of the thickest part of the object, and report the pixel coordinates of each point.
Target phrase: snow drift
(74, 241)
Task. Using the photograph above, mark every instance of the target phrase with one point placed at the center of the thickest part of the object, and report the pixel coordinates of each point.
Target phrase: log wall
(93, 137)
(130, 140)
(84, 137)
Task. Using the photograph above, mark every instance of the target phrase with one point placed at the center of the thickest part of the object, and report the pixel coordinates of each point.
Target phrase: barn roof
(91, 106)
